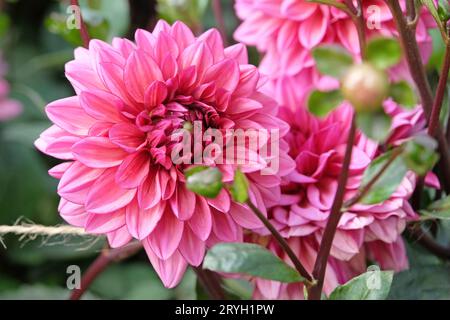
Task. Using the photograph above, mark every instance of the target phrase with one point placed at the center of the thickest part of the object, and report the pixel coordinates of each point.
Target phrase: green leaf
(332, 60)
(188, 11)
(388, 182)
(333, 3)
(419, 154)
(434, 12)
(403, 94)
(4, 25)
(430, 282)
(250, 259)
(384, 52)
(444, 10)
(375, 125)
(239, 188)
(205, 181)
(320, 103)
(439, 209)
(372, 285)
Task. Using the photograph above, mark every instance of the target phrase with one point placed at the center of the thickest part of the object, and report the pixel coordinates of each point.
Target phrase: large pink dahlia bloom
(286, 31)
(9, 108)
(364, 231)
(115, 135)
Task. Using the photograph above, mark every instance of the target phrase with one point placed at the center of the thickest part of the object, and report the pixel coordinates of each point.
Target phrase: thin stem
(83, 29)
(442, 85)
(211, 282)
(417, 70)
(411, 10)
(426, 241)
(282, 242)
(106, 257)
(218, 14)
(361, 194)
(335, 215)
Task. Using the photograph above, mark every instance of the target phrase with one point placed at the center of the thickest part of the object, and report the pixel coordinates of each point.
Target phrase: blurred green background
(36, 43)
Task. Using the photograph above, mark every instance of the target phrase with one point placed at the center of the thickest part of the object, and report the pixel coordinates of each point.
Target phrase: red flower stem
(319, 271)
(83, 29)
(442, 85)
(426, 241)
(211, 282)
(218, 14)
(282, 242)
(395, 153)
(101, 263)
(416, 68)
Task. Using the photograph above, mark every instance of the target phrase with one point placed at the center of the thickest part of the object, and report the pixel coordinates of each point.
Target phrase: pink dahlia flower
(116, 134)
(364, 231)
(286, 31)
(9, 108)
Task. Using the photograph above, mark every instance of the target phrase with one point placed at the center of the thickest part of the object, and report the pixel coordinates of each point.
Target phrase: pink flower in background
(9, 108)
(364, 231)
(286, 31)
(115, 135)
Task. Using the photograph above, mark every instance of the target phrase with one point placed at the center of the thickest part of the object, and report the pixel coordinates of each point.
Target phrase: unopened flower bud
(365, 87)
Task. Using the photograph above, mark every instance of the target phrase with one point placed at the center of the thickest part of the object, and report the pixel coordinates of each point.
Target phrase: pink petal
(183, 203)
(118, 238)
(149, 192)
(140, 71)
(166, 237)
(141, 222)
(103, 223)
(201, 221)
(225, 74)
(68, 115)
(76, 182)
(133, 170)
(72, 213)
(192, 248)
(127, 136)
(170, 270)
(155, 94)
(98, 152)
(221, 202)
(102, 106)
(106, 196)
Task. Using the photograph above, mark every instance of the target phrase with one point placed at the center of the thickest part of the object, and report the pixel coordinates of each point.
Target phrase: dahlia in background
(9, 108)
(118, 177)
(286, 31)
(364, 231)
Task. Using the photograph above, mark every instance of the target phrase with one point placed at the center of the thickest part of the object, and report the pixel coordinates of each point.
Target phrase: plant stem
(395, 153)
(428, 242)
(83, 29)
(319, 271)
(417, 70)
(282, 242)
(411, 9)
(442, 85)
(218, 14)
(211, 282)
(106, 257)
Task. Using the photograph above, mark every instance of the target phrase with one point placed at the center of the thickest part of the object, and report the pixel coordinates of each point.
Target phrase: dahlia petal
(199, 55)
(192, 248)
(106, 196)
(224, 227)
(222, 202)
(150, 191)
(166, 237)
(140, 71)
(141, 222)
(225, 74)
(313, 30)
(104, 223)
(98, 152)
(155, 94)
(76, 182)
(133, 170)
(237, 52)
(72, 213)
(102, 105)
(170, 270)
(213, 39)
(182, 34)
(245, 217)
(201, 221)
(243, 105)
(112, 76)
(164, 44)
(68, 115)
(183, 203)
(119, 237)
(58, 170)
(127, 136)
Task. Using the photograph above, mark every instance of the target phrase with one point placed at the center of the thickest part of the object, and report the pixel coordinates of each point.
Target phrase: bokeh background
(35, 43)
